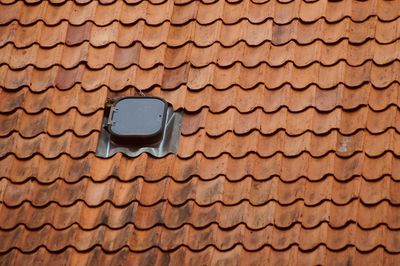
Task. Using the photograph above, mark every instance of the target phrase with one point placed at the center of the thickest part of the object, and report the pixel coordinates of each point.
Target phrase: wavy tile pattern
(205, 12)
(289, 151)
(237, 146)
(269, 123)
(201, 35)
(174, 57)
(227, 217)
(199, 239)
(288, 169)
(210, 256)
(217, 101)
(325, 77)
(255, 192)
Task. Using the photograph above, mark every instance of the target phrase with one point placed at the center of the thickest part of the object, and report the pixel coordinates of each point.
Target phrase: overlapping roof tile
(174, 57)
(198, 34)
(289, 150)
(199, 239)
(184, 255)
(205, 12)
(288, 169)
(200, 192)
(325, 77)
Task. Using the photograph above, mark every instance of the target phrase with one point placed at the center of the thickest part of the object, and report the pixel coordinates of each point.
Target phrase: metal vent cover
(136, 124)
(137, 119)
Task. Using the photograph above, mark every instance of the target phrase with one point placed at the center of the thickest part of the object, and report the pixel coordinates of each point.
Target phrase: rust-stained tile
(75, 34)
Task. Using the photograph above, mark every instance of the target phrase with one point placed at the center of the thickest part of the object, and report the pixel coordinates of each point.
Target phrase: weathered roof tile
(289, 146)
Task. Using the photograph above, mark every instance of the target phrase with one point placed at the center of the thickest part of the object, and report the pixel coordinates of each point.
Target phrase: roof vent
(137, 120)
(137, 124)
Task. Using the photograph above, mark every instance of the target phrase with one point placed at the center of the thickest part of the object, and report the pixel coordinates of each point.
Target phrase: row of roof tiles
(47, 122)
(134, 2)
(155, 2)
(174, 57)
(236, 145)
(112, 240)
(238, 255)
(217, 101)
(325, 77)
(200, 35)
(288, 169)
(347, 123)
(320, 123)
(226, 217)
(204, 13)
(182, 195)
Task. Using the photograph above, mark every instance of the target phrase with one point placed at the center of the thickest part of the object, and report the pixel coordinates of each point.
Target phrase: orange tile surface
(290, 146)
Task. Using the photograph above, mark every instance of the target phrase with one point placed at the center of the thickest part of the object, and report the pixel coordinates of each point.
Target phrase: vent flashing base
(133, 125)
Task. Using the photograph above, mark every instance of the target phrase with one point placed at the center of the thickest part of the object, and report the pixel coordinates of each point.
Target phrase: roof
(290, 144)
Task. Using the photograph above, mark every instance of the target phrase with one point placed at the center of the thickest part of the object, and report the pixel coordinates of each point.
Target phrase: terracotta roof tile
(202, 192)
(32, 125)
(268, 123)
(48, 146)
(227, 217)
(288, 153)
(235, 169)
(174, 57)
(204, 13)
(210, 255)
(170, 239)
(238, 146)
(52, 99)
(270, 101)
(325, 77)
(201, 35)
